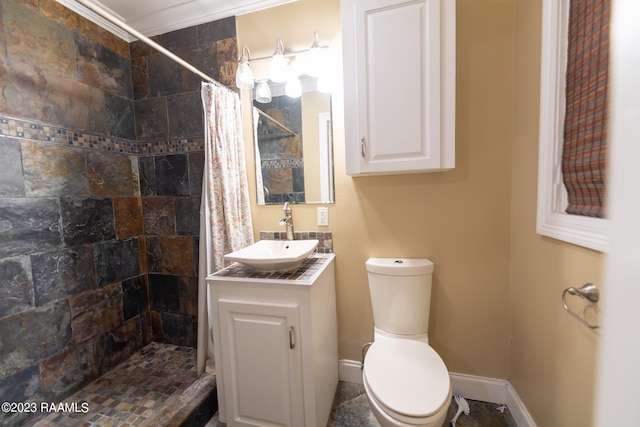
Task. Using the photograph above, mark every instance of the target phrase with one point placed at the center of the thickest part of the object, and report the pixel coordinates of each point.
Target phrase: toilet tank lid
(399, 266)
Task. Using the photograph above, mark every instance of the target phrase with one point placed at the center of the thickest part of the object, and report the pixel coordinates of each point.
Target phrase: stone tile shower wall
(98, 200)
(169, 130)
(73, 295)
(58, 68)
(166, 95)
(170, 187)
(72, 287)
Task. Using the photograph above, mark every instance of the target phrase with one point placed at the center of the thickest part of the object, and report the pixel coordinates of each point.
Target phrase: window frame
(552, 220)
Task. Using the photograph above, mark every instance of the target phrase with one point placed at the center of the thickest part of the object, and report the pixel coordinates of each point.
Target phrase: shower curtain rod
(275, 122)
(114, 20)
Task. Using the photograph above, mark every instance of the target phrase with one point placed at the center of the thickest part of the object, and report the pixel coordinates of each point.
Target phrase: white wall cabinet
(399, 85)
(275, 346)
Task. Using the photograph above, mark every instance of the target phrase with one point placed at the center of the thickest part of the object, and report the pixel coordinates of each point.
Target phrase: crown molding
(171, 16)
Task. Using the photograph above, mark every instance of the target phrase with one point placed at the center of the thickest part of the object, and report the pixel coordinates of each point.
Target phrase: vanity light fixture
(244, 76)
(263, 92)
(282, 69)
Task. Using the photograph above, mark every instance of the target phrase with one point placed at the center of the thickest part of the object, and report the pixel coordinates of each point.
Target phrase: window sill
(583, 231)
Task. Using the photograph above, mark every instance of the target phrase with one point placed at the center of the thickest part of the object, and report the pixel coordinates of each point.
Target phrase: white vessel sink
(274, 255)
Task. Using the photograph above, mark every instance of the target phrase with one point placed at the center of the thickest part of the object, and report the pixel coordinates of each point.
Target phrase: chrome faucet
(287, 220)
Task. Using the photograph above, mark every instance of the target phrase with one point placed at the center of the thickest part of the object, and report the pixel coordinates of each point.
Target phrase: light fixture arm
(279, 47)
(281, 50)
(245, 48)
(316, 41)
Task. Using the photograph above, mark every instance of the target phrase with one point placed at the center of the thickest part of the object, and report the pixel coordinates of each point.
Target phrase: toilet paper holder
(588, 291)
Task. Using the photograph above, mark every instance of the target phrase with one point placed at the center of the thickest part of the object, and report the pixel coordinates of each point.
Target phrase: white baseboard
(479, 388)
(350, 371)
(521, 416)
(473, 387)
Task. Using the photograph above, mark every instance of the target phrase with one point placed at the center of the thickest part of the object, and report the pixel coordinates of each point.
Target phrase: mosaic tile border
(325, 238)
(171, 146)
(35, 131)
(282, 163)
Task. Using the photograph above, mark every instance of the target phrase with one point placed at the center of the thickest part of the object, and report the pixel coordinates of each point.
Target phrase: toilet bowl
(406, 381)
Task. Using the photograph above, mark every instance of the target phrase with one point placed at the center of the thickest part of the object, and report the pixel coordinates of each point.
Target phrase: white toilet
(406, 381)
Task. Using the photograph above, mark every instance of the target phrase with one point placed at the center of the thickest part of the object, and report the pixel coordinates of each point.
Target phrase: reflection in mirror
(293, 145)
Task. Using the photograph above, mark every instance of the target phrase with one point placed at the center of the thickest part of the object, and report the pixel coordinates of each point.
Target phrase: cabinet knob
(363, 146)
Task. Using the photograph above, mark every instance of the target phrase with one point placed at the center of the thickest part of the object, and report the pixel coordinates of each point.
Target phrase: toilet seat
(407, 379)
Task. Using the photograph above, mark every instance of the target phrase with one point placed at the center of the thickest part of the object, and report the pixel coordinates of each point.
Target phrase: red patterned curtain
(585, 126)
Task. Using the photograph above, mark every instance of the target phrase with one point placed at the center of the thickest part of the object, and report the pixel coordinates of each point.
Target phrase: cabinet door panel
(398, 84)
(263, 374)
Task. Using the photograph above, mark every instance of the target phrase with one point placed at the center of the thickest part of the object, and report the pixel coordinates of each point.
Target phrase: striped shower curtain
(225, 213)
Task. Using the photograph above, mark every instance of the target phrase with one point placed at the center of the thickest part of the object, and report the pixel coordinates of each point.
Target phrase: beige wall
(459, 219)
(496, 308)
(552, 357)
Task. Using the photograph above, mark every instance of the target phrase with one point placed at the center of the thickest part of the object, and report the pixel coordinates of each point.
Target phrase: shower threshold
(156, 386)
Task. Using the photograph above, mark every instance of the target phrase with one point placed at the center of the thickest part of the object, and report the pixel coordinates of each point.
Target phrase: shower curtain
(225, 214)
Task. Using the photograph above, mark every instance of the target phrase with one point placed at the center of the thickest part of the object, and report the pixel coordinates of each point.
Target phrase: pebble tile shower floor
(149, 389)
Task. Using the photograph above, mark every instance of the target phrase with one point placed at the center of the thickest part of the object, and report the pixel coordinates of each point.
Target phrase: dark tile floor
(351, 409)
(157, 387)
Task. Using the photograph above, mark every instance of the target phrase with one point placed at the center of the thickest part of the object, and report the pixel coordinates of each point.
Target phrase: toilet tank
(400, 294)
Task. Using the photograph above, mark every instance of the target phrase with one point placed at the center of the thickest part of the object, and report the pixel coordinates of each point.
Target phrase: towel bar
(588, 291)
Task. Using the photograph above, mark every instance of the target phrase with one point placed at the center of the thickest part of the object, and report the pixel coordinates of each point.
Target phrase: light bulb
(293, 87)
(263, 92)
(278, 71)
(244, 76)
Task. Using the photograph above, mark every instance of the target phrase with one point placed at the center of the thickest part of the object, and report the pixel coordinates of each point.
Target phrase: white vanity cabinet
(399, 85)
(275, 346)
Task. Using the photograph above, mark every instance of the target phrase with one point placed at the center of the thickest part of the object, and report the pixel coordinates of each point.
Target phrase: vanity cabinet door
(262, 363)
(399, 85)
